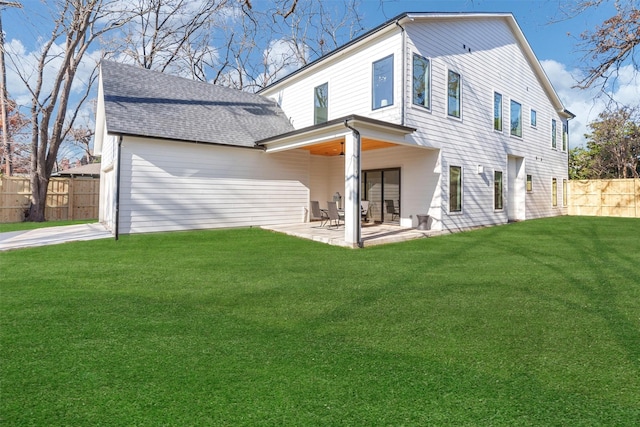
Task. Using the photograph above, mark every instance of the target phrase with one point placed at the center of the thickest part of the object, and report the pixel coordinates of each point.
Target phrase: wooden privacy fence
(67, 198)
(605, 197)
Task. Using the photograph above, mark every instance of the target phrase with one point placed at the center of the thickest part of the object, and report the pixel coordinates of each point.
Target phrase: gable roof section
(393, 24)
(139, 102)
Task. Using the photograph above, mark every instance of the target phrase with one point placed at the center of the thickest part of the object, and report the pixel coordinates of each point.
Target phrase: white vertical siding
(178, 186)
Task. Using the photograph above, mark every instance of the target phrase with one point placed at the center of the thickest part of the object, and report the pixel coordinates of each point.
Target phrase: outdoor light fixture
(342, 149)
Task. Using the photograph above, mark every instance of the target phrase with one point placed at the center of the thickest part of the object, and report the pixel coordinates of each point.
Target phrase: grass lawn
(19, 226)
(531, 324)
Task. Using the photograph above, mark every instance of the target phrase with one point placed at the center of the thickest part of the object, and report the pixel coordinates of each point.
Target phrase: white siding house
(446, 115)
(489, 56)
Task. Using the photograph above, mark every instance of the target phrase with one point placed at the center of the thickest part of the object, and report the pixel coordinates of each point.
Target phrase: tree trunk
(39, 186)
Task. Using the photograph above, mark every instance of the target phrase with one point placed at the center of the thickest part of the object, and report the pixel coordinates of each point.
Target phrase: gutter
(359, 171)
(404, 70)
(116, 227)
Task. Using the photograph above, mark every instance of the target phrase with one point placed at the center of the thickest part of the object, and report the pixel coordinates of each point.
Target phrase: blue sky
(553, 37)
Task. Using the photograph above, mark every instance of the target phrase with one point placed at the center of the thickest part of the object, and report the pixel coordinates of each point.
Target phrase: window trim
(511, 102)
(315, 107)
(501, 118)
(554, 134)
(554, 192)
(496, 206)
(460, 192)
(459, 116)
(373, 86)
(565, 135)
(533, 118)
(428, 82)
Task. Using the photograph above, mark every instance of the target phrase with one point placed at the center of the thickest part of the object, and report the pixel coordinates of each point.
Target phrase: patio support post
(351, 190)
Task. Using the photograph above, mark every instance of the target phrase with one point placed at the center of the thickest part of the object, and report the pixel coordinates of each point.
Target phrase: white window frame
(373, 84)
(501, 130)
(315, 89)
(459, 116)
(427, 82)
(533, 113)
(457, 212)
(511, 102)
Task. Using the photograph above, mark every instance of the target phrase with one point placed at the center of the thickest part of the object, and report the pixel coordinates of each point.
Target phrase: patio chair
(364, 209)
(391, 209)
(334, 215)
(318, 214)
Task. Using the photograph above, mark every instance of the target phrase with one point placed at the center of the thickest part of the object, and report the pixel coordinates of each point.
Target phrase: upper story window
(421, 81)
(321, 103)
(565, 135)
(497, 111)
(554, 132)
(454, 94)
(516, 119)
(383, 82)
(534, 118)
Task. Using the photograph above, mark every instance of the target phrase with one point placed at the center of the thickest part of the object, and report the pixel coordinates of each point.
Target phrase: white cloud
(586, 104)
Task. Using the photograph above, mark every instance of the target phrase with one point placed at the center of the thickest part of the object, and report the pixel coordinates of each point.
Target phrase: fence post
(70, 197)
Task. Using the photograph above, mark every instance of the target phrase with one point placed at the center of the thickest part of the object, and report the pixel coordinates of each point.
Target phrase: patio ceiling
(325, 139)
(334, 148)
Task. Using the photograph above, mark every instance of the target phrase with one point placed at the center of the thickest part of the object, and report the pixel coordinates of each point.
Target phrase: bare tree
(13, 151)
(230, 42)
(235, 43)
(610, 45)
(77, 24)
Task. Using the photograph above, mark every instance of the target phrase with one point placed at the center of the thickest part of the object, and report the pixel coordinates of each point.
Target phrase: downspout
(118, 188)
(359, 183)
(404, 72)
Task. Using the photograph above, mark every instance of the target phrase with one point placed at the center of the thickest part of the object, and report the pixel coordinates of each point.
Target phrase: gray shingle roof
(148, 103)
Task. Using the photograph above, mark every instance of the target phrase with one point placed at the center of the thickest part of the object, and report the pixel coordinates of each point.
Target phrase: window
(554, 144)
(455, 189)
(453, 94)
(421, 81)
(516, 119)
(534, 118)
(321, 103)
(565, 135)
(554, 192)
(383, 82)
(529, 183)
(564, 192)
(497, 190)
(497, 111)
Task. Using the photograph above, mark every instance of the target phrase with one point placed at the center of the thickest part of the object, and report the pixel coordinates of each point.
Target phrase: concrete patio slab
(374, 234)
(52, 236)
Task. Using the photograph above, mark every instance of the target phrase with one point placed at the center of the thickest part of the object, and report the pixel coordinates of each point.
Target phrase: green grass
(19, 226)
(534, 323)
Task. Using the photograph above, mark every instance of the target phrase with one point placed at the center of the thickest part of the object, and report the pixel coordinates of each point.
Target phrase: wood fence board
(606, 197)
(67, 198)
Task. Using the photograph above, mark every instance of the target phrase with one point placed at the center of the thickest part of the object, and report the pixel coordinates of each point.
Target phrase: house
(445, 115)
(92, 170)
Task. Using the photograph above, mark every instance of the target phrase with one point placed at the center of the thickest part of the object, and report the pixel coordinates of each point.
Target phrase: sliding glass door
(381, 187)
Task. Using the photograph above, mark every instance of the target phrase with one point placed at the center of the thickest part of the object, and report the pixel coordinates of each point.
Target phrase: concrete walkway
(52, 236)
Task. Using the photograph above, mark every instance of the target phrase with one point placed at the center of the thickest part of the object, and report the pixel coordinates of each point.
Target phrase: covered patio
(347, 138)
(371, 234)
